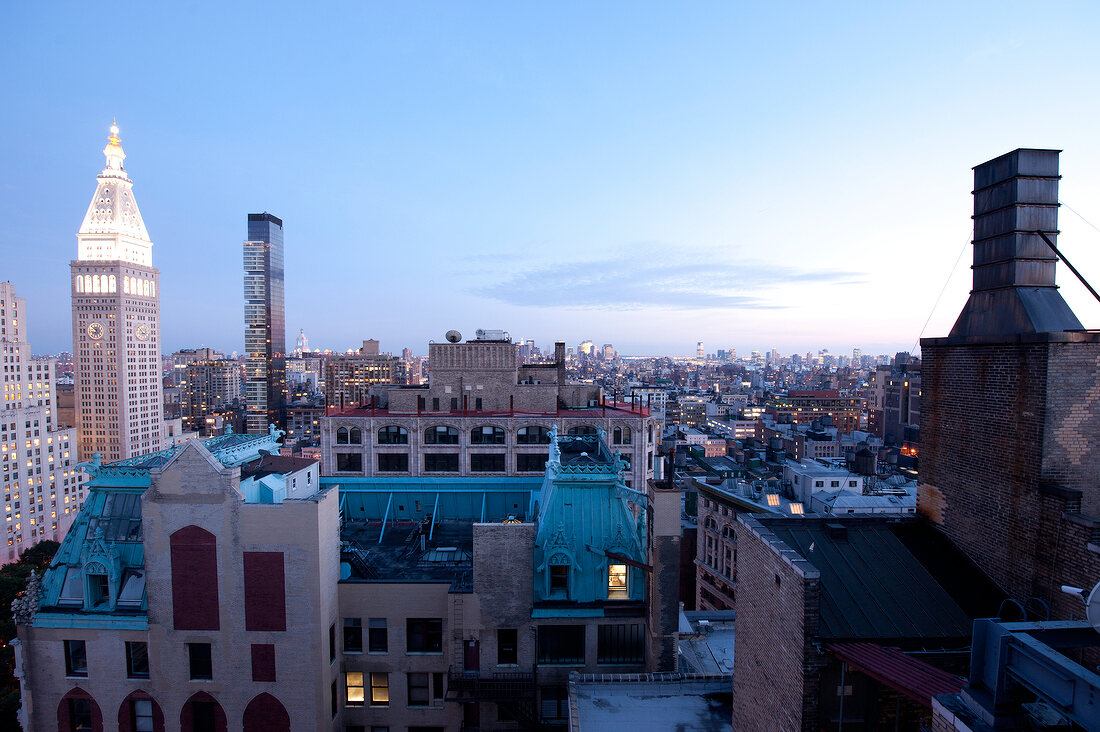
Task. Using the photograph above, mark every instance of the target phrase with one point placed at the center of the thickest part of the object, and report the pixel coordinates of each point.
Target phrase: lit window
(616, 582)
(796, 509)
(356, 694)
(379, 689)
(773, 499)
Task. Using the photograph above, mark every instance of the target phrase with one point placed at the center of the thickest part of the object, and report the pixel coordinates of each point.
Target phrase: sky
(749, 175)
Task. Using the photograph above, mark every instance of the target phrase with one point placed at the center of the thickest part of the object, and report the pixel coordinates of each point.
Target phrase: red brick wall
(776, 668)
(1010, 448)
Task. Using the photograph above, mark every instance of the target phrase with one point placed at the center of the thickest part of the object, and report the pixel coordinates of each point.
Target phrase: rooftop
(872, 586)
(650, 701)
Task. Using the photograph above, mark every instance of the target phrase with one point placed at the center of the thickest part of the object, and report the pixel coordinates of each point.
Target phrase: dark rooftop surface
(406, 553)
(872, 585)
(274, 465)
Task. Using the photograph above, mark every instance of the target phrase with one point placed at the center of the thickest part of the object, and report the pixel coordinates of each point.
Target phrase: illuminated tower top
(112, 227)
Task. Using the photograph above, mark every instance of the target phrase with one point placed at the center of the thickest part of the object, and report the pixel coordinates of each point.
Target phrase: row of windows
(422, 635)
(423, 689)
(137, 659)
(486, 435)
(398, 462)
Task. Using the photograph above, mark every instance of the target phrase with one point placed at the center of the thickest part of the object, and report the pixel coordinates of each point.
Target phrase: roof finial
(113, 151)
(114, 131)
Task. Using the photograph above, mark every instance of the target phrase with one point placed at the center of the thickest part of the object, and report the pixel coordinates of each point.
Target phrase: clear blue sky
(649, 175)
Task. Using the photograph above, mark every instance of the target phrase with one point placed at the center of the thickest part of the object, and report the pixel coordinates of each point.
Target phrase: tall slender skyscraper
(42, 487)
(264, 324)
(116, 322)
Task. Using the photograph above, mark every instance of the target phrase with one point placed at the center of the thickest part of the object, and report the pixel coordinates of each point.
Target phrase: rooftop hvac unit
(483, 334)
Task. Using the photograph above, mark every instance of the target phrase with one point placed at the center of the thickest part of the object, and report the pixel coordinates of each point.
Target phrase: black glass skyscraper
(264, 324)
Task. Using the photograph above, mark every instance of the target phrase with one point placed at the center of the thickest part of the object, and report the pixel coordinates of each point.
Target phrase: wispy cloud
(642, 280)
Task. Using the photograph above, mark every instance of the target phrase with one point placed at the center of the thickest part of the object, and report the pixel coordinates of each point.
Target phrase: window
(621, 643)
(349, 462)
(559, 579)
(441, 435)
(621, 436)
(490, 462)
(531, 462)
(393, 435)
(454, 403)
(435, 404)
(333, 699)
(393, 462)
(137, 660)
(424, 635)
(80, 714)
(582, 429)
(418, 689)
(141, 715)
(555, 703)
(533, 435)
(379, 689)
(376, 636)
(76, 658)
(436, 462)
(342, 436)
(332, 642)
(486, 436)
(617, 582)
(834, 484)
(353, 680)
(507, 646)
(99, 591)
(201, 665)
(355, 436)
(477, 403)
(562, 644)
(851, 484)
(353, 635)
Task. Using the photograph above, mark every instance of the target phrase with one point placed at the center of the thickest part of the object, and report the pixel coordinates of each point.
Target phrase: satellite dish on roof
(453, 336)
(1092, 603)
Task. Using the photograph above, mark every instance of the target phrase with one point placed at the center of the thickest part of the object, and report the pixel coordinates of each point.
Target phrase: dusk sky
(650, 175)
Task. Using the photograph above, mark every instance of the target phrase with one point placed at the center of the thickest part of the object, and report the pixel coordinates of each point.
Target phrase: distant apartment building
(481, 413)
(806, 406)
(209, 387)
(178, 362)
(303, 422)
(265, 324)
(42, 487)
(349, 378)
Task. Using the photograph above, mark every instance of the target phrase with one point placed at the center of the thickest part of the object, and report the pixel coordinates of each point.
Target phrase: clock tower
(116, 322)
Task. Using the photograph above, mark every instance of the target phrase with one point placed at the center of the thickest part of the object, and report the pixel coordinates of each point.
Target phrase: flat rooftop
(408, 551)
(650, 702)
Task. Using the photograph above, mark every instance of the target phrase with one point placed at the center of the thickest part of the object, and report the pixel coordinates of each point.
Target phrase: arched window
(393, 435)
(139, 712)
(78, 710)
(621, 436)
(533, 435)
(112, 285)
(95, 283)
(87, 283)
(126, 285)
(582, 429)
(488, 435)
(79, 283)
(265, 713)
(441, 435)
(145, 287)
(342, 436)
(152, 289)
(202, 712)
(355, 436)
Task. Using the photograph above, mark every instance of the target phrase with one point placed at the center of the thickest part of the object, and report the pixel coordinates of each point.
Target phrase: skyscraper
(42, 488)
(116, 322)
(264, 323)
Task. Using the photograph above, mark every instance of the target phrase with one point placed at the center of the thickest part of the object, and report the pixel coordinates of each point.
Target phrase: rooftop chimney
(1015, 195)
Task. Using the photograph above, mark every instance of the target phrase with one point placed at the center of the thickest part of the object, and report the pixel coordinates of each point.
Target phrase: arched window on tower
(126, 285)
(112, 283)
(95, 283)
(79, 283)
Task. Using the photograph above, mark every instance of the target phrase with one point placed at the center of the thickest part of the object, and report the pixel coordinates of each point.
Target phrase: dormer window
(559, 580)
(99, 591)
(617, 588)
(72, 594)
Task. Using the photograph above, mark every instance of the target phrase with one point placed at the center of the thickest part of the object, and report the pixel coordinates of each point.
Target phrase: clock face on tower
(95, 330)
(142, 332)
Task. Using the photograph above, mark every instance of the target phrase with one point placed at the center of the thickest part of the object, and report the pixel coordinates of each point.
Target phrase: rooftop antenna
(1092, 603)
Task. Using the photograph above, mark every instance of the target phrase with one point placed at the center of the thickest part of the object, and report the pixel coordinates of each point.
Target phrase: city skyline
(475, 180)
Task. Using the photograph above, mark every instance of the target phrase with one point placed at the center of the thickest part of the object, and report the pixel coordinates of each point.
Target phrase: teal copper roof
(98, 573)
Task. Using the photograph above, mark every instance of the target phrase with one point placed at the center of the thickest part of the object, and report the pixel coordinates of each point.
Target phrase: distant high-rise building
(209, 387)
(699, 350)
(586, 348)
(302, 344)
(47, 493)
(116, 322)
(264, 324)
